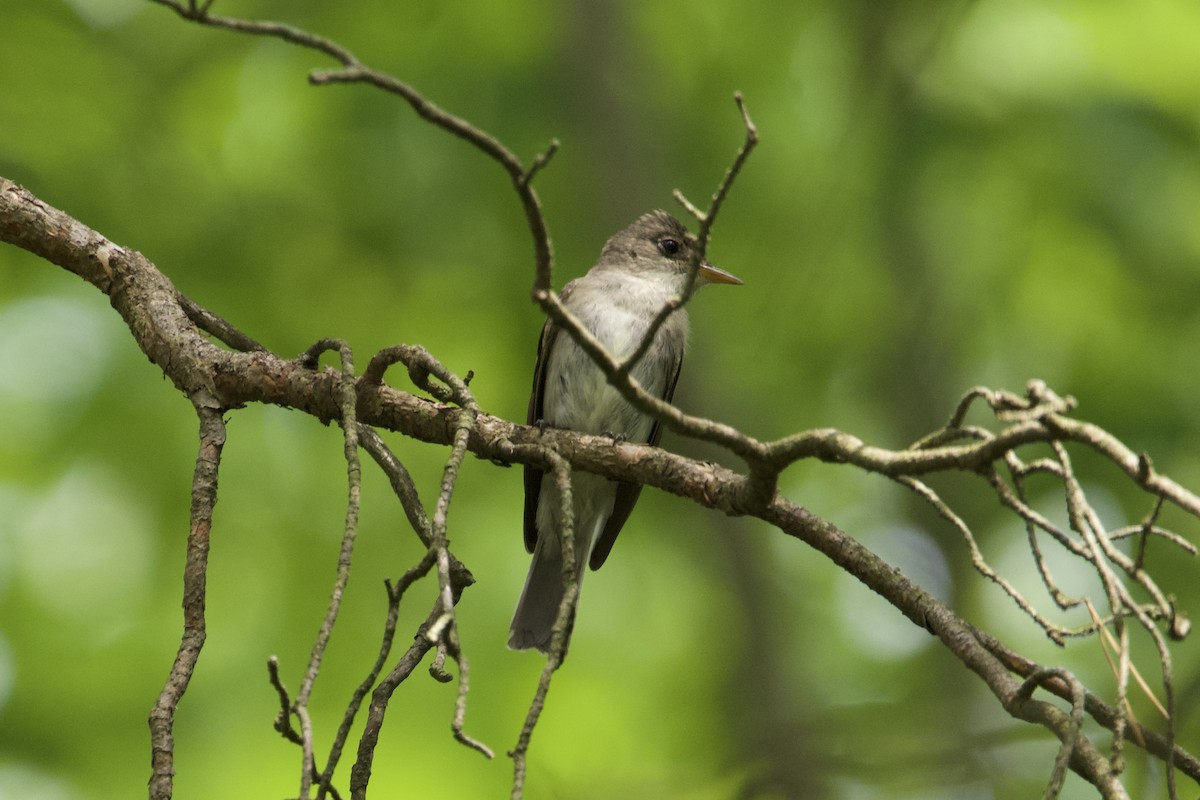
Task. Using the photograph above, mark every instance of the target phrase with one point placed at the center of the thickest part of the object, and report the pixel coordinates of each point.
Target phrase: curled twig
(1071, 735)
(445, 630)
(283, 721)
(421, 367)
(458, 723)
(442, 632)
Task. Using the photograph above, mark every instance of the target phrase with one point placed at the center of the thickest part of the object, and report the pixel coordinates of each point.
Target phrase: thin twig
(1072, 735)
(669, 415)
(441, 546)
(458, 723)
(283, 721)
(195, 575)
(360, 773)
(354, 71)
(977, 560)
(443, 632)
(395, 593)
(401, 481)
(349, 426)
(210, 323)
(560, 636)
(706, 219)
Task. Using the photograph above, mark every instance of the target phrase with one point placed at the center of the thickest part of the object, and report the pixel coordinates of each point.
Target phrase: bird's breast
(578, 396)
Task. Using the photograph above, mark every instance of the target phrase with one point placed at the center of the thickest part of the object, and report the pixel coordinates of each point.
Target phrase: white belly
(577, 395)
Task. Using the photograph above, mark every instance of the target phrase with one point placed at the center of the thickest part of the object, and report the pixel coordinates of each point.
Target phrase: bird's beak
(710, 274)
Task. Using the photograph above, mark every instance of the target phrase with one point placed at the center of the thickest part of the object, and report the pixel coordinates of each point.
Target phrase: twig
(209, 322)
(198, 12)
(348, 422)
(448, 634)
(706, 219)
(539, 163)
(697, 427)
(458, 723)
(402, 482)
(195, 574)
(560, 636)
(354, 71)
(395, 592)
(1071, 735)
(360, 773)
(977, 560)
(421, 367)
(283, 721)
(1106, 715)
(443, 632)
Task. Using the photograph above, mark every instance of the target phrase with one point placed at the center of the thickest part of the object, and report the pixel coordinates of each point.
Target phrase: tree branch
(151, 308)
(354, 71)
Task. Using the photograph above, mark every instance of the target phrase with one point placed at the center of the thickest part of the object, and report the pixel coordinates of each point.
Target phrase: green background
(946, 195)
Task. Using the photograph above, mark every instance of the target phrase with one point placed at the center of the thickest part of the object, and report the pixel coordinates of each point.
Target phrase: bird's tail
(533, 621)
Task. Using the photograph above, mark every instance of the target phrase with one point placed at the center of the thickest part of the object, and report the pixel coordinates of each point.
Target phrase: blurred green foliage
(946, 194)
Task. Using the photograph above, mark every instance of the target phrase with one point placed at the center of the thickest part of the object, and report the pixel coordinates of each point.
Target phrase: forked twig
(706, 219)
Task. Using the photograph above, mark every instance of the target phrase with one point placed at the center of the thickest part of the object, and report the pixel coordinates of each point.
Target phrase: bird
(641, 269)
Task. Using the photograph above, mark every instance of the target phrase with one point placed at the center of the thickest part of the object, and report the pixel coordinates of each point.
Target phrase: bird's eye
(669, 247)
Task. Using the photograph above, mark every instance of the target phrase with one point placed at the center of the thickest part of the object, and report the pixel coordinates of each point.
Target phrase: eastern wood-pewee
(640, 269)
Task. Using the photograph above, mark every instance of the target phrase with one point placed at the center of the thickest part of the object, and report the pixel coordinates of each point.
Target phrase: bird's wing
(533, 475)
(627, 493)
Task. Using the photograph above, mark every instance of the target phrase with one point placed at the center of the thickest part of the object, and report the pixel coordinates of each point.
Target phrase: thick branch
(150, 306)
